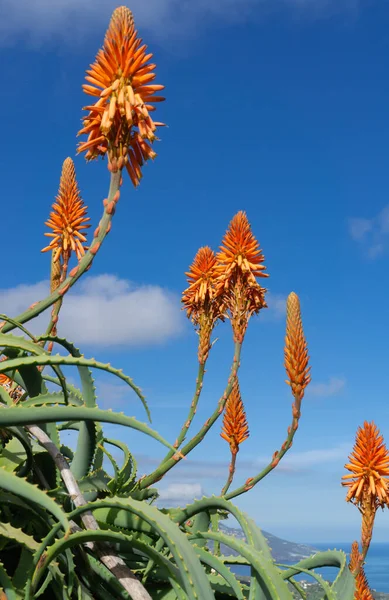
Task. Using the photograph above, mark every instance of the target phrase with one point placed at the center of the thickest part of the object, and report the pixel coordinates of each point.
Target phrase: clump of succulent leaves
(80, 522)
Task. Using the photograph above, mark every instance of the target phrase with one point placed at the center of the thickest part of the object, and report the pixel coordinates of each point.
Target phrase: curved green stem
(166, 465)
(231, 473)
(192, 411)
(83, 265)
(252, 481)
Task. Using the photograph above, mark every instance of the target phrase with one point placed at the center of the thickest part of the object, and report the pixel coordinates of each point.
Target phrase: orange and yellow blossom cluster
(225, 284)
(68, 218)
(121, 78)
(296, 357)
(367, 481)
(235, 428)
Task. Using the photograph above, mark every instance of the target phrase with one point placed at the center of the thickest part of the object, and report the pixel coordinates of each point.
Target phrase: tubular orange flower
(368, 466)
(68, 217)
(199, 299)
(240, 262)
(235, 428)
(119, 123)
(201, 278)
(240, 252)
(296, 351)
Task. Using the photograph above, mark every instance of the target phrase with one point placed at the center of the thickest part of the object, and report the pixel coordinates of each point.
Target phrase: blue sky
(280, 110)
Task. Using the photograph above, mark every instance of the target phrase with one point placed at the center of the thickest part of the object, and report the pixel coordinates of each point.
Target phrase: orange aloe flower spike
(235, 429)
(201, 278)
(240, 262)
(121, 82)
(296, 351)
(202, 305)
(240, 251)
(369, 467)
(68, 217)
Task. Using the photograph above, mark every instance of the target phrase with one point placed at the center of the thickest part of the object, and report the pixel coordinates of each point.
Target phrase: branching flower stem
(168, 464)
(192, 411)
(231, 473)
(277, 456)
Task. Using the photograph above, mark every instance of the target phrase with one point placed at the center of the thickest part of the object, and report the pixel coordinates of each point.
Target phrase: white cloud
(276, 307)
(104, 310)
(359, 228)
(330, 388)
(372, 234)
(181, 492)
(42, 19)
(311, 458)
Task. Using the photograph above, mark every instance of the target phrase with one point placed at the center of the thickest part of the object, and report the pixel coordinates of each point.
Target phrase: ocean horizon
(376, 568)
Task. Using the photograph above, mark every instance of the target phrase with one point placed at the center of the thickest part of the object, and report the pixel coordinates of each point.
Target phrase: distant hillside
(282, 550)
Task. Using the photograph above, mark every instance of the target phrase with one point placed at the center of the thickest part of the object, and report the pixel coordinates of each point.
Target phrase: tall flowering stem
(297, 369)
(203, 309)
(166, 465)
(221, 286)
(234, 431)
(117, 124)
(84, 264)
(68, 221)
(368, 479)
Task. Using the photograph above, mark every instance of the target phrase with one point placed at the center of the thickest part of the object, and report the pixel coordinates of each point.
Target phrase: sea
(376, 568)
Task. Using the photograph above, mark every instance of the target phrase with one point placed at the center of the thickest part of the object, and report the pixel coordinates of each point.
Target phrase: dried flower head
(119, 123)
(68, 217)
(202, 305)
(235, 428)
(240, 262)
(362, 590)
(296, 350)
(369, 468)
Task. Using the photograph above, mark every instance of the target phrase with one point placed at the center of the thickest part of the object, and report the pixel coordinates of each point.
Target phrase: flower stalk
(298, 371)
(86, 261)
(168, 464)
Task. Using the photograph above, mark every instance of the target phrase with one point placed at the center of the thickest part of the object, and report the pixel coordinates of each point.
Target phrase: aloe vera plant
(72, 528)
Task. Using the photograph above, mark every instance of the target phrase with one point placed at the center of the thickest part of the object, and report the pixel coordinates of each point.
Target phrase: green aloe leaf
(31, 493)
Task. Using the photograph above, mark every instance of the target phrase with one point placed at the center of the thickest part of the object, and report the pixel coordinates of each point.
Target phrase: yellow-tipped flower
(240, 262)
(296, 350)
(68, 217)
(201, 278)
(369, 467)
(119, 122)
(202, 305)
(235, 428)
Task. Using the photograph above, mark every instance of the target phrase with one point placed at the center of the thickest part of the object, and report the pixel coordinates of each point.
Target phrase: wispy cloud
(311, 458)
(371, 233)
(106, 311)
(332, 387)
(180, 493)
(210, 471)
(276, 307)
(45, 19)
